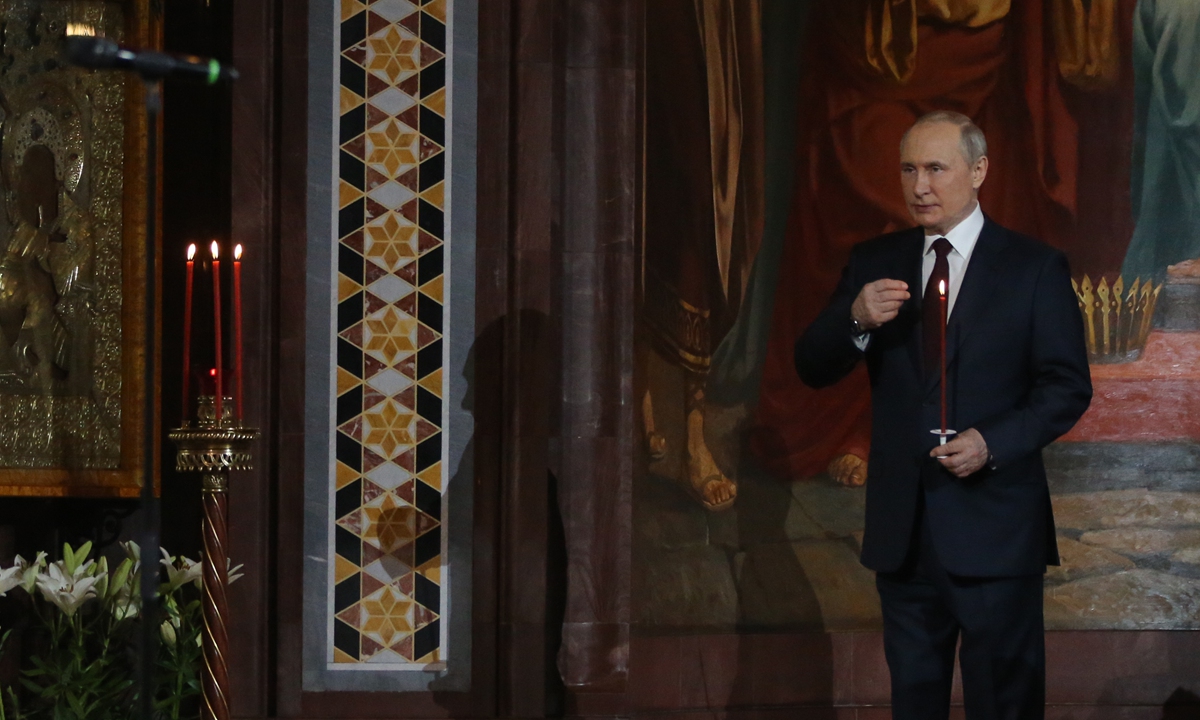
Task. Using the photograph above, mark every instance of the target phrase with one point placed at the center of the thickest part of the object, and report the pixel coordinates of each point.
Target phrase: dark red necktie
(931, 307)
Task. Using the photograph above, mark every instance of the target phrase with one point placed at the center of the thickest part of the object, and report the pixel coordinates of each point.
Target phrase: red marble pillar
(601, 211)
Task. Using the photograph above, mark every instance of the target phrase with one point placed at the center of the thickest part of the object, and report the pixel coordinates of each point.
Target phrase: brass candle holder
(214, 448)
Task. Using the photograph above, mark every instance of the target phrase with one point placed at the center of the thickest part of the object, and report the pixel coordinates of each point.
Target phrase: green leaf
(69, 559)
(32, 686)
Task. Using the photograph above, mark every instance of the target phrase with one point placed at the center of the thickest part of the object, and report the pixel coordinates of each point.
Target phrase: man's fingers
(891, 296)
(950, 449)
(879, 301)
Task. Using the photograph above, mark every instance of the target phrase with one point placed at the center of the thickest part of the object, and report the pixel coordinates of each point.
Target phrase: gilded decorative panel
(71, 230)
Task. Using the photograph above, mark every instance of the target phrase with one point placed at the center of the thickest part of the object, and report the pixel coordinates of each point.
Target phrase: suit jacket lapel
(977, 287)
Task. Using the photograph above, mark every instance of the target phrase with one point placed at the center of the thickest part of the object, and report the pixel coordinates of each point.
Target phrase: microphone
(101, 53)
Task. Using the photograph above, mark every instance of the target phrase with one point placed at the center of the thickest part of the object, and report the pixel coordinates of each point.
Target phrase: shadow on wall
(526, 342)
(1182, 705)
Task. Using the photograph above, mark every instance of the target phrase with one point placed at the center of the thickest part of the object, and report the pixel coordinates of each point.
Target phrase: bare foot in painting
(849, 470)
(656, 444)
(708, 483)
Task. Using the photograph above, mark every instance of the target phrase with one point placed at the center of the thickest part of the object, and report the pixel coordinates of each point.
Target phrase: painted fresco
(772, 138)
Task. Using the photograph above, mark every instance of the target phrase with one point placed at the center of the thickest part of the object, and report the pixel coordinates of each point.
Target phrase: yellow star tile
(388, 428)
(391, 147)
(389, 615)
(392, 54)
(391, 524)
(435, 195)
(391, 241)
(390, 334)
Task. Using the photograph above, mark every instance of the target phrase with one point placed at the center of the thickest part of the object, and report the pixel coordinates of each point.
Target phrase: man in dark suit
(959, 534)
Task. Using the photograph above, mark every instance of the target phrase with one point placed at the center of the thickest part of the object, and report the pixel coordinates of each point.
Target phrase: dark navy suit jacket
(1017, 371)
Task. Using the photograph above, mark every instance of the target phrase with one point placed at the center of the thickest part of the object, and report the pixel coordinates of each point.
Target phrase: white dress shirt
(962, 237)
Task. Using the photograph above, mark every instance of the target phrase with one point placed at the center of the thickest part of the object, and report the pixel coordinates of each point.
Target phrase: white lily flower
(67, 591)
(181, 572)
(11, 577)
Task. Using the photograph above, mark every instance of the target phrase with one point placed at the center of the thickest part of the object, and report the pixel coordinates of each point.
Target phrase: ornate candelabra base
(214, 449)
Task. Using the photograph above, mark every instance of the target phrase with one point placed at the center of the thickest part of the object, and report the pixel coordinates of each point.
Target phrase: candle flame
(941, 287)
(191, 251)
(212, 372)
(215, 250)
(84, 29)
(237, 252)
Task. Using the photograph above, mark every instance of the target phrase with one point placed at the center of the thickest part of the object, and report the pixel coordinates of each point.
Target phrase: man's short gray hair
(972, 142)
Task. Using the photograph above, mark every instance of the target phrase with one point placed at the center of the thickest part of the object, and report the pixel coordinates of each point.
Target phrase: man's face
(939, 187)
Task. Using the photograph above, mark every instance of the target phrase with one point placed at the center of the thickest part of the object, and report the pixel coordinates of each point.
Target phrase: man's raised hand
(879, 302)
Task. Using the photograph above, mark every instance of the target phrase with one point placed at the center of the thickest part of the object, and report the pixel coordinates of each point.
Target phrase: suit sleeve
(827, 350)
(1061, 386)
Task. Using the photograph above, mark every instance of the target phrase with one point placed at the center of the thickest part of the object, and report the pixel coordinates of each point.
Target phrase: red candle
(187, 332)
(237, 324)
(216, 265)
(942, 300)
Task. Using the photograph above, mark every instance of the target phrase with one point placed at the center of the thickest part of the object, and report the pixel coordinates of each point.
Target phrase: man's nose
(921, 187)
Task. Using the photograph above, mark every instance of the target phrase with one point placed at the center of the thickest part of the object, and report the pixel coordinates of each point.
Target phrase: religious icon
(71, 228)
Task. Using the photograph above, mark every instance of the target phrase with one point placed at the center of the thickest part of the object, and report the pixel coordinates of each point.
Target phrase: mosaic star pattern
(387, 601)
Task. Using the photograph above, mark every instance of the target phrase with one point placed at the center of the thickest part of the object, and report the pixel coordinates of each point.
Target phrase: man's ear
(979, 172)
